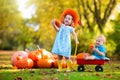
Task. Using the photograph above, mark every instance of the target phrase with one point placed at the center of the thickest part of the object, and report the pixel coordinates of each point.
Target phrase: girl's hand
(53, 21)
(54, 25)
(77, 42)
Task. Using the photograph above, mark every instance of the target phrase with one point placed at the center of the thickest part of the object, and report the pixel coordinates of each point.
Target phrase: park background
(24, 24)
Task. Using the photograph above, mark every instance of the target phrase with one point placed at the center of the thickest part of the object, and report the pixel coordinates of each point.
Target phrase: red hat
(73, 13)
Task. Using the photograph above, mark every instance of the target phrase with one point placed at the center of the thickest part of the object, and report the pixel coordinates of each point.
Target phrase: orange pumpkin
(19, 57)
(82, 55)
(18, 54)
(24, 63)
(64, 64)
(35, 55)
(55, 63)
(46, 54)
(45, 63)
(58, 23)
(91, 46)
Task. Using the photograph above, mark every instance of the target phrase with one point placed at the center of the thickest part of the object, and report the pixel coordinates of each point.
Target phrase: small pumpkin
(82, 55)
(55, 63)
(58, 23)
(25, 63)
(91, 46)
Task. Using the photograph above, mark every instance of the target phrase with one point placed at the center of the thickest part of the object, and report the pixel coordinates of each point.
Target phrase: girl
(62, 44)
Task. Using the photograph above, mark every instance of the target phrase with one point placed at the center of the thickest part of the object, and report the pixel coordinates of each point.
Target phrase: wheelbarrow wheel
(81, 68)
(99, 68)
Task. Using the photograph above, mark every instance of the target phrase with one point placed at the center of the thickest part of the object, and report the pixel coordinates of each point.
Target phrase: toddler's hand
(95, 49)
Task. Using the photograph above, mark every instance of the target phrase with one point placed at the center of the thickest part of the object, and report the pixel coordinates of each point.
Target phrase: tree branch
(97, 15)
(88, 6)
(85, 14)
(108, 10)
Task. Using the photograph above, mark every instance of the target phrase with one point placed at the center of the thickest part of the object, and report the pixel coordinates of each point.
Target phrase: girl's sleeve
(103, 49)
(72, 29)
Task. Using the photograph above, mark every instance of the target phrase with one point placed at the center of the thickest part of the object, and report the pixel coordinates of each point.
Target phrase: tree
(97, 10)
(9, 20)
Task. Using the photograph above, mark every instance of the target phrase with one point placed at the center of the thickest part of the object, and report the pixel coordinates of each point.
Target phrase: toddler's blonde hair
(103, 38)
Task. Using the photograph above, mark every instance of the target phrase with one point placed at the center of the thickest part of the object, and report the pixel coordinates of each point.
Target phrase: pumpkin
(55, 57)
(91, 46)
(35, 55)
(19, 57)
(55, 63)
(58, 23)
(46, 54)
(18, 54)
(24, 63)
(64, 64)
(45, 63)
(82, 55)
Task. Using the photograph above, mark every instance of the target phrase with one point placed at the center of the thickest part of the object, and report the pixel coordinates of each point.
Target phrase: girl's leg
(68, 63)
(60, 62)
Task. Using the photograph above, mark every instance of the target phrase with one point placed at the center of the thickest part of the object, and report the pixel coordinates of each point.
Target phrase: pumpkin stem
(38, 47)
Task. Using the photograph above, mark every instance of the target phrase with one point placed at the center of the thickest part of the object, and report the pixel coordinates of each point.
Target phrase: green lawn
(111, 72)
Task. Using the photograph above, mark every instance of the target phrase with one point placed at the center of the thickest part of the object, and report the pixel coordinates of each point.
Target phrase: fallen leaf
(90, 70)
(14, 67)
(97, 75)
(65, 74)
(108, 75)
(19, 78)
(55, 78)
(32, 71)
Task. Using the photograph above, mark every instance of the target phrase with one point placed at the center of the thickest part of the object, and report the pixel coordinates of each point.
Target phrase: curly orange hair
(73, 13)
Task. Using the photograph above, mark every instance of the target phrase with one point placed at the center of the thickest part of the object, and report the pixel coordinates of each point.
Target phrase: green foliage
(9, 19)
(114, 35)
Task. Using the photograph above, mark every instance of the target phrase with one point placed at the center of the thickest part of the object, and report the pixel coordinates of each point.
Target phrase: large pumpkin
(82, 55)
(46, 54)
(45, 63)
(24, 63)
(22, 54)
(35, 55)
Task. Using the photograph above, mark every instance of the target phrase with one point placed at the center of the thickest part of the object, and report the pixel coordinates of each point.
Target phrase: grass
(111, 72)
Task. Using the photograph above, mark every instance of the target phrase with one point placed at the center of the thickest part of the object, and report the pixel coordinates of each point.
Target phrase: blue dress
(62, 44)
(101, 48)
